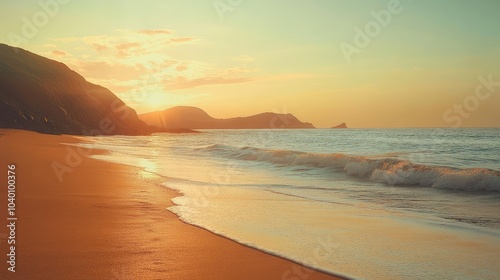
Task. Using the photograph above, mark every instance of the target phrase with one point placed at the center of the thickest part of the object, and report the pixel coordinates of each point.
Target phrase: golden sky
(368, 63)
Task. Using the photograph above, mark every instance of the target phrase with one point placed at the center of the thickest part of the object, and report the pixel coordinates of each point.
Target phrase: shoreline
(106, 221)
(305, 267)
(317, 269)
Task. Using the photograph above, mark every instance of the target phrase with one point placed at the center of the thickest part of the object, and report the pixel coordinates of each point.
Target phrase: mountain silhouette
(40, 94)
(196, 118)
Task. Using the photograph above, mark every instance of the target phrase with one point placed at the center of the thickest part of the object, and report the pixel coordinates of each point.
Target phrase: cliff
(40, 94)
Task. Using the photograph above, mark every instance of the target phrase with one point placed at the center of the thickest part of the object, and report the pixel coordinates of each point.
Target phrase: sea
(358, 203)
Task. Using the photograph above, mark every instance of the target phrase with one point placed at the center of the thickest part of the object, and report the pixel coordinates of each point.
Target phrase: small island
(342, 125)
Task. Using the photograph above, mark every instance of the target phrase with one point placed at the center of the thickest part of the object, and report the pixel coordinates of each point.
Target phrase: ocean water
(362, 203)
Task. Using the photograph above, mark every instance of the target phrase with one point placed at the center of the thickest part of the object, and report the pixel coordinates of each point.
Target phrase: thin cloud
(239, 70)
(123, 48)
(99, 47)
(183, 83)
(181, 39)
(244, 59)
(126, 46)
(123, 59)
(181, 68)
(111, 71)
(59, 53)
(155, 31)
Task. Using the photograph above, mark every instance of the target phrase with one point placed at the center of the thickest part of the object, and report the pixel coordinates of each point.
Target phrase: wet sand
(109, 221)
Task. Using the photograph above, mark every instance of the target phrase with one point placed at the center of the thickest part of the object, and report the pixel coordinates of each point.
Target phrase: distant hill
(342, 125)
(40, 94)
(196, 118)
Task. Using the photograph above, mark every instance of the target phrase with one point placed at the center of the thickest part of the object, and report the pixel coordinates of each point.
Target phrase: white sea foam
(385, 170)
(287, 193)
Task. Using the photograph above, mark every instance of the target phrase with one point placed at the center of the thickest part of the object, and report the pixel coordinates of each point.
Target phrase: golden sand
(105, 221)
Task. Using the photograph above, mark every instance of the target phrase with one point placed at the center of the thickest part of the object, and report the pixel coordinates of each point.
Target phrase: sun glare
(155, 100)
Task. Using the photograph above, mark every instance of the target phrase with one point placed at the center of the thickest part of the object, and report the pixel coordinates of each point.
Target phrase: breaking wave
(391, 171)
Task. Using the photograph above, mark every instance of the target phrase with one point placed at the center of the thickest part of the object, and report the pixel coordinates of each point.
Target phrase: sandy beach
(109, 221)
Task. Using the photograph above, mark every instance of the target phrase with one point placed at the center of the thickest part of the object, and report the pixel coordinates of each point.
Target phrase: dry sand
(107, 221)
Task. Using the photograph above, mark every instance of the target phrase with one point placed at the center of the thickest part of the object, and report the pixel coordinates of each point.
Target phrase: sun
(155, 100)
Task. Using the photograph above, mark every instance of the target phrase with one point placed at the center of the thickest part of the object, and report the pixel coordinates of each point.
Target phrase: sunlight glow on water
(282, 192)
